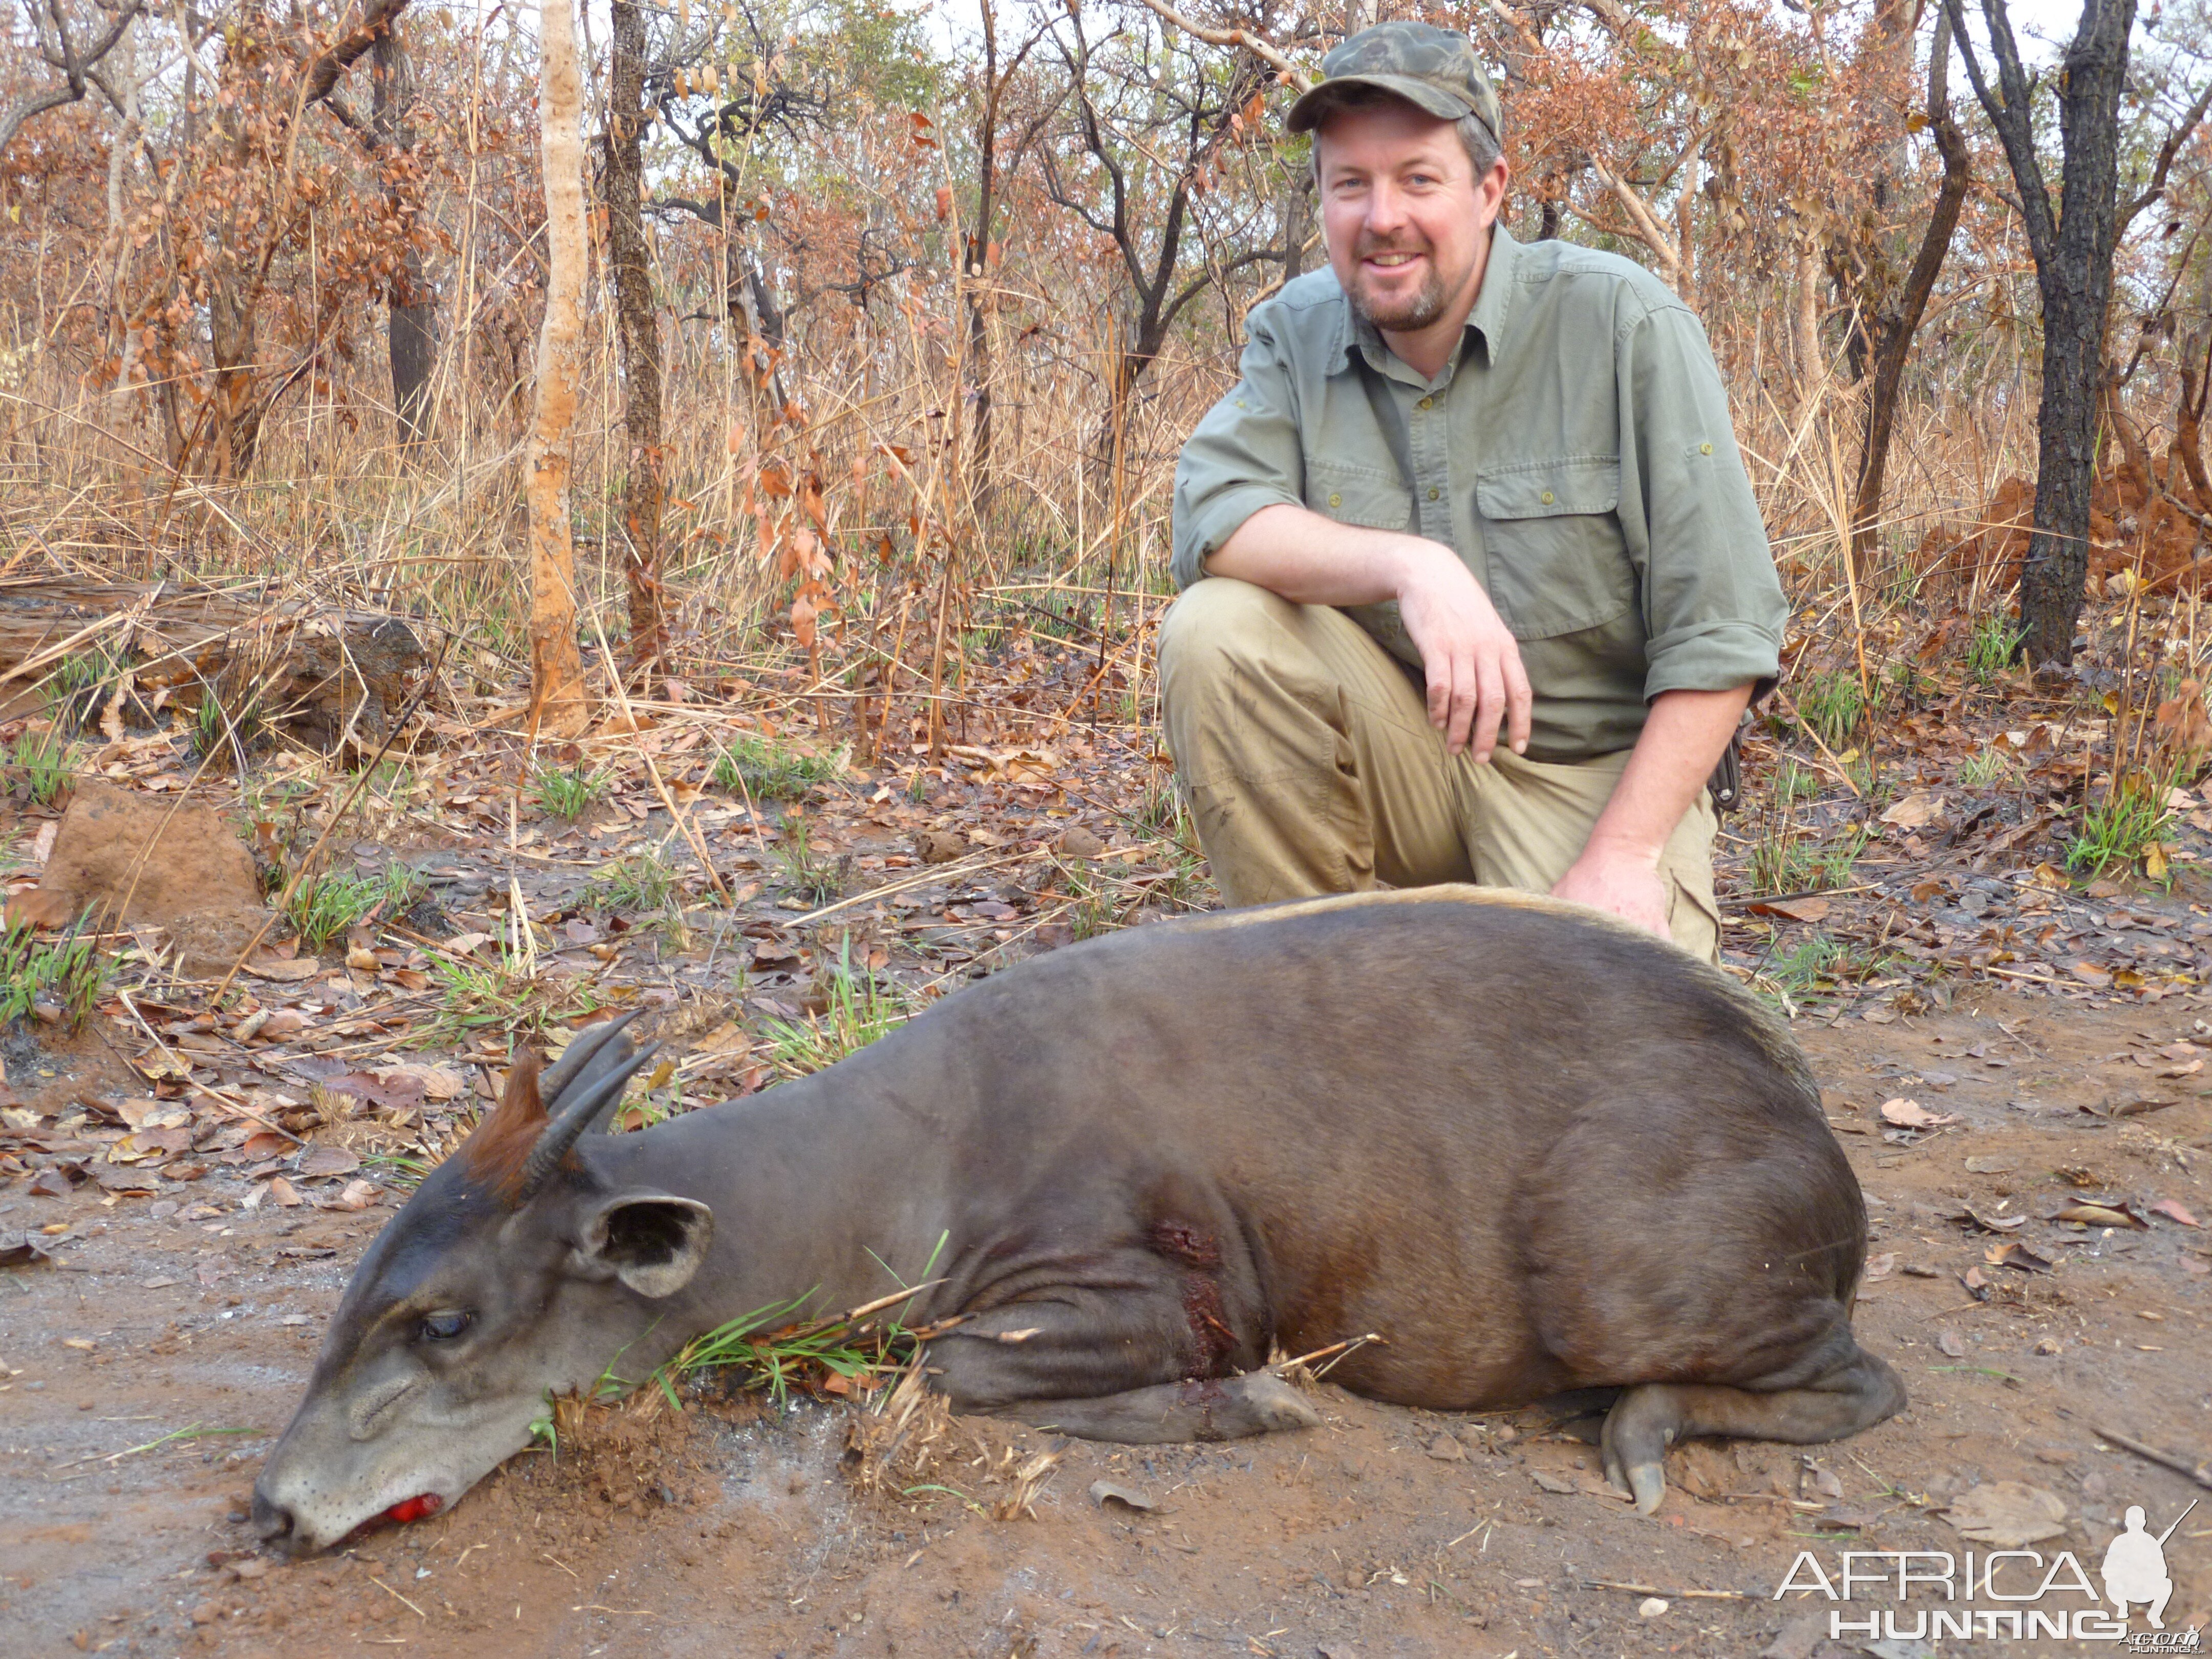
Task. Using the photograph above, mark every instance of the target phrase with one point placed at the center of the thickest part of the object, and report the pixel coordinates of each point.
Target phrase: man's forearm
(1312, 560)
(1469, 660)
(1683, 738)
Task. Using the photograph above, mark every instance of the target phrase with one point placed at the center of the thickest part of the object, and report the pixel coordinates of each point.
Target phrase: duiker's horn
(582, 1050)
(596, 1087)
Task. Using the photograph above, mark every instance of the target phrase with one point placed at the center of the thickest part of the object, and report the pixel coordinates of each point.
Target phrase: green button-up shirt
(1577, 453)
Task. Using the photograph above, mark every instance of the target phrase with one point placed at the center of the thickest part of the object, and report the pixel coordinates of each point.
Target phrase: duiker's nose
(272, 1522)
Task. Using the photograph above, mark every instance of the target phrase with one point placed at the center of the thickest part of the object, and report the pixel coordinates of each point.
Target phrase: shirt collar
(1493, 305)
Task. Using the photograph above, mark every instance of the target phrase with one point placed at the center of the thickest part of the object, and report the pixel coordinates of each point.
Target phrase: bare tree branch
(2166, 152)
(1258, 46)
(74, 65)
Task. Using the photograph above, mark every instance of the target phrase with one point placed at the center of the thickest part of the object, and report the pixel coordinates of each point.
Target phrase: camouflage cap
(1432, 69)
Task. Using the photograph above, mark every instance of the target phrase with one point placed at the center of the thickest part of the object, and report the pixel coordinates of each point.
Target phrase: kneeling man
(1463, 484)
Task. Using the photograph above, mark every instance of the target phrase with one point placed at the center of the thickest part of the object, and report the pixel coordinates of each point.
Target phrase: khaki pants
(1310, 763)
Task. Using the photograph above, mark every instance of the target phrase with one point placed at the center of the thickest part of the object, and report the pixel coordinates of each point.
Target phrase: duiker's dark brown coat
(1532, 1149)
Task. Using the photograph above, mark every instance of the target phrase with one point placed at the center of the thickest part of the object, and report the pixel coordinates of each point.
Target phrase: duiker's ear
(652, 1242)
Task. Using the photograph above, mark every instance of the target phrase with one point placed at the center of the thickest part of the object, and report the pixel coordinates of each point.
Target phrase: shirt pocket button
(1335, 499)
(1547, 498)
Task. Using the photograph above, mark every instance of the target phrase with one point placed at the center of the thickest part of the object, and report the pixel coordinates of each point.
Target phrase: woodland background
(880, 330)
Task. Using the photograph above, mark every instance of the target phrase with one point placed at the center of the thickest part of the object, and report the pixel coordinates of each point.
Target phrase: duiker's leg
(1130, 1364)
(1232, 1408)
(1647, 1420)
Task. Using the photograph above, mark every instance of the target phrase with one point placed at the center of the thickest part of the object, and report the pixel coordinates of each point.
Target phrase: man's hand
(1470, 658)
(1476, 683)
(1626, 883)
(1681, 742)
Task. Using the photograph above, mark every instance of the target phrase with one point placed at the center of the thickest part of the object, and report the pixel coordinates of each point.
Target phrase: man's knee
(1216, 628)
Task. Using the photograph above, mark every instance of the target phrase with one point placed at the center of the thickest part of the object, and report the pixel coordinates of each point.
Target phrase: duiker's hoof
(1275, 1403)
(1649, 1482)
(1643, 1484)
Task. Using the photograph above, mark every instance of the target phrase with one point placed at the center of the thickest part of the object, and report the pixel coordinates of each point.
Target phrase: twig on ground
(2199, 1472)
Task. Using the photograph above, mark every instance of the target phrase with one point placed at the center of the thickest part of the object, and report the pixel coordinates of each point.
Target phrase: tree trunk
(1812, 366)
(1893, 331)
(978, 257)
(411, 338)
(640, 329)
(233, 411)
(2073, 255)
(1298, 222)
(2188, 413)
(2076, 282)
(558, 707)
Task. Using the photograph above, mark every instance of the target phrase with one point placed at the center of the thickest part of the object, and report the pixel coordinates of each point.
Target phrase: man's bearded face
(1406, 221)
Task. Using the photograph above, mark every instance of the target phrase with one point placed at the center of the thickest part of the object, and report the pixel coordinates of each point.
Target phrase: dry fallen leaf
(1077, 843)
(2174, 1210)
(1911, 1114)
(2098, 1215)
(1803, 910)
(354, 1195)
(939, 846)
(299, 968)
(2010, 1514)
(1916, 811)
(1103, 1492)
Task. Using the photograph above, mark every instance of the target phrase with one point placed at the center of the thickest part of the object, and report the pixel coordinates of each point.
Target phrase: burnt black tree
(412, 343)
(639, 330)
(2072, 248)
(1190, 125)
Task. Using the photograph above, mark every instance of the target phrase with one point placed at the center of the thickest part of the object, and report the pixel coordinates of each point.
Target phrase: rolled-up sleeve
(1243, 456)
(1714, 610)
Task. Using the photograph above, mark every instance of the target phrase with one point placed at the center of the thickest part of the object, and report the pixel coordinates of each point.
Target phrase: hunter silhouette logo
(2134, 1567)
(2022, 1593)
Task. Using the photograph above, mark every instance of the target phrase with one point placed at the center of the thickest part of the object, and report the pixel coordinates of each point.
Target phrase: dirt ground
(149, 1366)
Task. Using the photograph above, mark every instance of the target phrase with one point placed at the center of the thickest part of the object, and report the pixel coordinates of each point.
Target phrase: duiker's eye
(444, 1327)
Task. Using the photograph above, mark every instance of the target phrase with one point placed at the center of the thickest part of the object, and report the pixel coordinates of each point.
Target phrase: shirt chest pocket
(1357, 494)
(1557, 563)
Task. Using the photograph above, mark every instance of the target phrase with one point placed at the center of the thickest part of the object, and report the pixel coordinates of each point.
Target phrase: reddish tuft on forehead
(495, 1154)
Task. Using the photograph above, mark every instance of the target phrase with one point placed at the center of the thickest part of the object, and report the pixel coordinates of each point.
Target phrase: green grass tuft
(814, 878)
(1984, 769)
(49, 764)
(769, 771)
(334, 903)
(1991, 647)
(2121, 827)
(69, 975)
(859, 1012)
(1833, 704)
(568, 792)
(636, 881)
(1788, 860)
